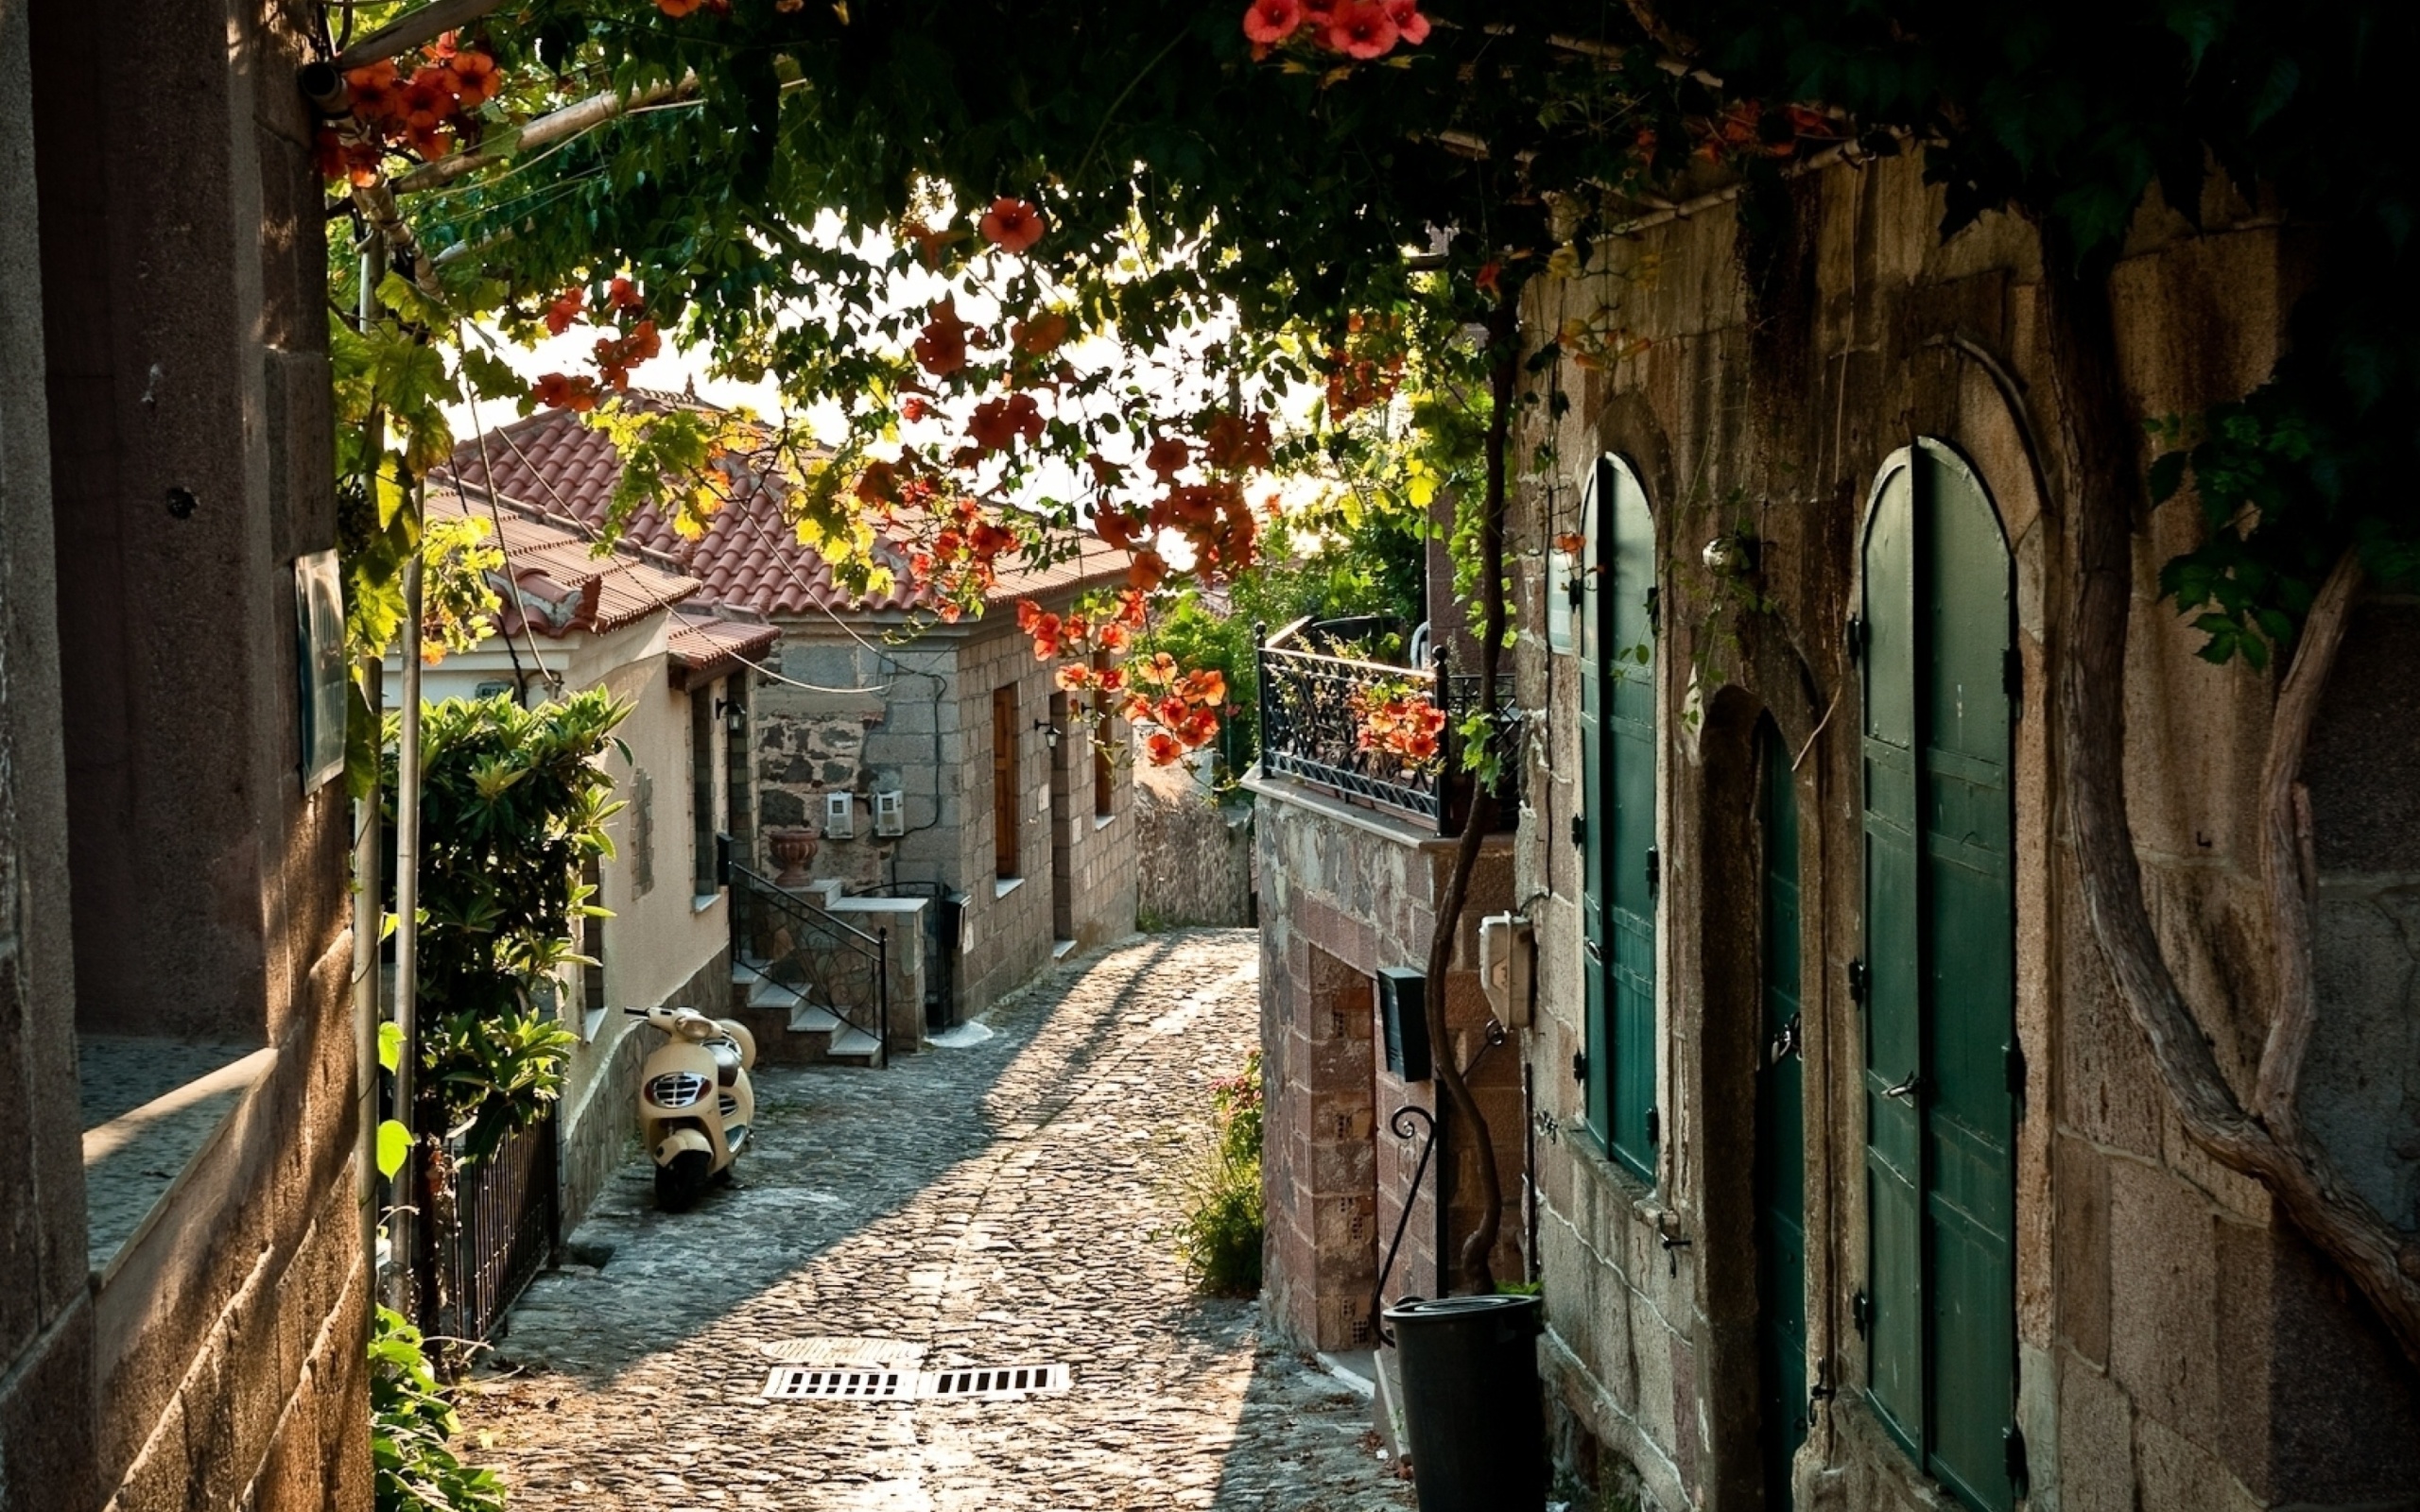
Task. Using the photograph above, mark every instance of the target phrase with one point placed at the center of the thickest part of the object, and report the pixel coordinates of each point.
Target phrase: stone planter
(794, 848)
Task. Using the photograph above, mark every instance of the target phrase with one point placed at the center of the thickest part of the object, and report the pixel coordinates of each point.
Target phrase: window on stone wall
(1004, 783)
(592, 944)
(705, 785)
(1104, 764)
(739, 749)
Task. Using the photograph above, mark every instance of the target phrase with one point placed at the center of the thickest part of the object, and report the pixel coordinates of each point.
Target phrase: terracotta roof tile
(750, 558)
(559, 585)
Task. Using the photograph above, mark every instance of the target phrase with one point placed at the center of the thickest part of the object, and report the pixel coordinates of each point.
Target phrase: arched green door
(1616, 634)
(1939, 973)
(1781, 1135)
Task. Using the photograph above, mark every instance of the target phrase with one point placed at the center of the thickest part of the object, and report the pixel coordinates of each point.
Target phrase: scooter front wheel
(682, 1180)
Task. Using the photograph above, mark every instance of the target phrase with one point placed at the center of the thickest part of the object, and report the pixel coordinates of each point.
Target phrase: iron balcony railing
(832, 965)
(1310, 730)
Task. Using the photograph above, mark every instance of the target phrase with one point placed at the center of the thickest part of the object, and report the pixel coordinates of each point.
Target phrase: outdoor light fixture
(734, 715)
(1049, 732)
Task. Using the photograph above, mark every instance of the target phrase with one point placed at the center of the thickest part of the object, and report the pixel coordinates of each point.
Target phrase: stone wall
(1347, 891)
(153, 824)
(1194, 854)
(2170, 1323)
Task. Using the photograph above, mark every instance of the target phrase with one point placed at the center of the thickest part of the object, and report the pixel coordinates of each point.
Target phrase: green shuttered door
(1781, 1137)
(1940, 928)
(1618, 752)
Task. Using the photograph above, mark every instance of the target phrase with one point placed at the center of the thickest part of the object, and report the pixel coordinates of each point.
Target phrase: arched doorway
(1938, 974)
(1781, 1129)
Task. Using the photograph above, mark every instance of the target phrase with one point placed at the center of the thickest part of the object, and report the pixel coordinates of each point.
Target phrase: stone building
(933, 759)
(187, 1296)
(1852, 1181)
(569, 621)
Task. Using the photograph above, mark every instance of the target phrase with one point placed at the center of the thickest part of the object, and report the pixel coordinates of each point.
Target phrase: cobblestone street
(1006, 1202)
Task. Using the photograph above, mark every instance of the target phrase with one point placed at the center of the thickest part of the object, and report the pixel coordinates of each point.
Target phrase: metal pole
(369, 853)
(407, 925)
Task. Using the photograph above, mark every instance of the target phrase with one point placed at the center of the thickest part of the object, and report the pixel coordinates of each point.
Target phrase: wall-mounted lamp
(1049, 732)
(733, 714)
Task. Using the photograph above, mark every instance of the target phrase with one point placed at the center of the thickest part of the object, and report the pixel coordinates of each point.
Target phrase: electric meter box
(839, 816)
(1403, 1008)
(891, 813)
(1506, 951)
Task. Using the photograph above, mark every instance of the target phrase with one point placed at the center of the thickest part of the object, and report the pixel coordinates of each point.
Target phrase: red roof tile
(557, 584)
(750, 558)
(704, 647)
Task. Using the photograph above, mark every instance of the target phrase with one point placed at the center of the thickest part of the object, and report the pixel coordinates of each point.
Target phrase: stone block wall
(2170, 1322)
(1348, 891)
(1194, 855)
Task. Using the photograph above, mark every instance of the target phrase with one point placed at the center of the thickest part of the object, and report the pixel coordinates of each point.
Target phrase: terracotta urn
(794, 847)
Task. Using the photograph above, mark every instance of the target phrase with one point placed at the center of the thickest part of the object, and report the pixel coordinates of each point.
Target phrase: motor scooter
(695, 1103)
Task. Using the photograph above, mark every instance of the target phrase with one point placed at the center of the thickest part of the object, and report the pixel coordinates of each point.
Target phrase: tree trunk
(2106, 494)
(1472, 1269)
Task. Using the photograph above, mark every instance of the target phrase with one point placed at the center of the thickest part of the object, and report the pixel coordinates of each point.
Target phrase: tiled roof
(559, 586)
(706, 645)
(750, 558)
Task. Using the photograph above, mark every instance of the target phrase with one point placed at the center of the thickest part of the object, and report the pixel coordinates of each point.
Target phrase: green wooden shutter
(1939, 968)
(1617, 635)
(1781, 1135)
(1895, 1372)
(1596, 696)
(1970, 1188)
(1632, 887)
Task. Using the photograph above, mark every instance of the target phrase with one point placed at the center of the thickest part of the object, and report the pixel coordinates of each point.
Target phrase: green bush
(412, 1431)
(1221, 1236)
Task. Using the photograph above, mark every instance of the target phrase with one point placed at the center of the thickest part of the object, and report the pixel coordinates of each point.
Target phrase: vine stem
(2106, 480)
(1473, 1267)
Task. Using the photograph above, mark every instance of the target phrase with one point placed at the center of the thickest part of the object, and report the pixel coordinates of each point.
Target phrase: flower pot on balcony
(794, 847)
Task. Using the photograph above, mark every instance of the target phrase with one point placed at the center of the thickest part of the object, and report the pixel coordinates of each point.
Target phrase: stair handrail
(873, 947)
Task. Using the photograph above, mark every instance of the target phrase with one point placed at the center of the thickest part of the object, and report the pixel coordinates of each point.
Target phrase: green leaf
(391, 1044)
(394, 1143)
(2167, 477)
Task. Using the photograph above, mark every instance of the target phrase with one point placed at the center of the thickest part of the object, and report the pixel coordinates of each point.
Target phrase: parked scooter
(695, 1103)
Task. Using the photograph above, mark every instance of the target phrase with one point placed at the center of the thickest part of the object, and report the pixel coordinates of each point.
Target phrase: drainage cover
(994, 1383)
(801, 1383)
(828, 1349)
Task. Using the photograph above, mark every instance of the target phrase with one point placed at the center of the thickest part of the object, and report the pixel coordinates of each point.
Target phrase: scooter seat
(727, 1067)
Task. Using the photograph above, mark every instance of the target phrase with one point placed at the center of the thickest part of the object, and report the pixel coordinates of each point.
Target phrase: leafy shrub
(1221, 1236)
(411, 1430)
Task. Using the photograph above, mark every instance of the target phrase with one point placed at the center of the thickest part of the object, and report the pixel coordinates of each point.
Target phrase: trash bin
(1471, 1401)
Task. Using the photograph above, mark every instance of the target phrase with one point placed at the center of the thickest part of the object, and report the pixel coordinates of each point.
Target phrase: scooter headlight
(676, 1088)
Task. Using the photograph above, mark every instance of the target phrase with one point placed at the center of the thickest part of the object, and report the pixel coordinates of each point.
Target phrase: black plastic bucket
(1471, 1402)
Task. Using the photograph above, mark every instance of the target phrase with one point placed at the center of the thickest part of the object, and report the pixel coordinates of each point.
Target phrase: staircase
(804, 1031)
(811, 987)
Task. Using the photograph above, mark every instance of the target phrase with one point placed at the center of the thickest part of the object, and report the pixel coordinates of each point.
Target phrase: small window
(1004, 781)
(705, 790)
(1104, 767)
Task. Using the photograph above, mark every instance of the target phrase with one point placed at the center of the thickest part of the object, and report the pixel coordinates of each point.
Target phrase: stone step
(808, 1018)
(767, 993)
(854, 1044)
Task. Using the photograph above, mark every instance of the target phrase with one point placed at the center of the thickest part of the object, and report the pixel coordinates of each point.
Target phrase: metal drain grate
(798, 1382)
(994, 1385)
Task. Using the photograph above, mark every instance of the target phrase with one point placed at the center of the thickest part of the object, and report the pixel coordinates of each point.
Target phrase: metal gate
(505, 1219)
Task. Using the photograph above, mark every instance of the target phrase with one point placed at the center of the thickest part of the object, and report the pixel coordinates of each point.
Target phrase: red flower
(1147, 570)
(677, 9)
(1271, 22)
(941, 347)
(912, 408)
(1167, 456)
(475, 76)
(1490, 277)
(1040, 337)
(568, 307)
(1162, 749)
(1410, 24)
(374, 88)
(1012, 225)
(562, 391)
(1361, 28)
(623, 295)
(1073, 678)
(430, 92)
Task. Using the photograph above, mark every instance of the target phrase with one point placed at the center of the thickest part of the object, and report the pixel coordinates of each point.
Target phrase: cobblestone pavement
(1006, 1203)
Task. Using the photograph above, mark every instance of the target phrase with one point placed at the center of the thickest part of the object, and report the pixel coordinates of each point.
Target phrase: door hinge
(1857, 980)
(1860, 1313)
(1654, 872)
(1785, 1043)
(2013, 675)
(1853, 636)
(2012, 1446)
(1579, 1067)
(1655, 1126)
(1579, 829)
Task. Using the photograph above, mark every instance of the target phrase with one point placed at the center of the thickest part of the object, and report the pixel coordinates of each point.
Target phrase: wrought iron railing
(830, 964)
(1312, 715)
(502, 1232)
